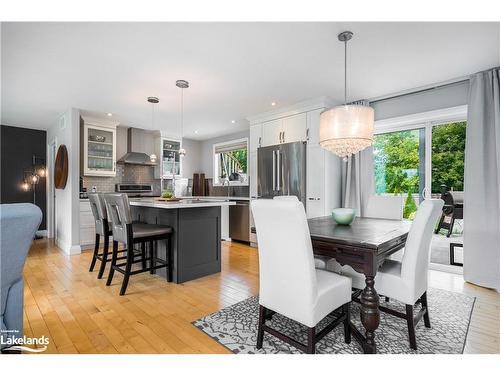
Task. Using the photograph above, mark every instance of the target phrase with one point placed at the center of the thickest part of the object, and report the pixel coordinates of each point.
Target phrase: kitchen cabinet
(284, 130)
(294, 128)
(169, 159)
(271, 132)
(99, 150)
(87, 224)
(315, 190)
(313, 127)
(255, 137)
(323, 182)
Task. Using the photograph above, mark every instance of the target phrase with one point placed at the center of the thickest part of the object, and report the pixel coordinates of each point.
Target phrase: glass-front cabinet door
(99, 151)
(171, 160)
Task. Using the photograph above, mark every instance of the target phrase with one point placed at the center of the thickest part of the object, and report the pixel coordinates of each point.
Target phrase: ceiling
(235, 69)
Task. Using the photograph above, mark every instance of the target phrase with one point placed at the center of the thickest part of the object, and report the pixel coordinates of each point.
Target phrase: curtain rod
(418, 91)
(451, 82)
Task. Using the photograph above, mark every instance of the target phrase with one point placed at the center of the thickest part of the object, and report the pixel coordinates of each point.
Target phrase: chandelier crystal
(346, 129)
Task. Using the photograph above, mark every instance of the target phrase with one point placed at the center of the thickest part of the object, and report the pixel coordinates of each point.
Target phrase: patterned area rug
(235, 327)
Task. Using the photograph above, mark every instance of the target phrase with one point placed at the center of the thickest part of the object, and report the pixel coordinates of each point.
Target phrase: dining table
(364, 245)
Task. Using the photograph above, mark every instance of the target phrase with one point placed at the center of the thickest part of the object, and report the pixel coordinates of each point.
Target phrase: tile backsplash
(138, 174)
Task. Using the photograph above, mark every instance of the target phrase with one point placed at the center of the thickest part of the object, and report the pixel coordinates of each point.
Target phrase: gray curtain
(358, 180)
(482, 180)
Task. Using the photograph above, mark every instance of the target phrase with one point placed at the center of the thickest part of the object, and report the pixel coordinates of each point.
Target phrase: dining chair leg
(260, 329)
(113, 263)
(346, 310)
(411, 326)
(128, 268)
(427, 320)
(311, 340)
(96, 252)
(143, 255)
(104, 258)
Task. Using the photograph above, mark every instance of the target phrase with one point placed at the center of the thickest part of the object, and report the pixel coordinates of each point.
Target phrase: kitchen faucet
(228, 186)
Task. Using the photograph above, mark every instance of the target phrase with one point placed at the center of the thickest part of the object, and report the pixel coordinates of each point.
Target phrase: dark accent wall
(17, 148)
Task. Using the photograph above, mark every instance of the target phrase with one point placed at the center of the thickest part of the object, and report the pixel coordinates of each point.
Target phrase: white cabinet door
(253, 174)
(313, 127)
(255, 137)
(271, 132)
(99, 150)
(315, 181)
(294, 128)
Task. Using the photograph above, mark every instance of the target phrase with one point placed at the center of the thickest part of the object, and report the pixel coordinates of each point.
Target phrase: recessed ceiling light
(196, 132)
(233, 121)
(109, 114)
(273, 103)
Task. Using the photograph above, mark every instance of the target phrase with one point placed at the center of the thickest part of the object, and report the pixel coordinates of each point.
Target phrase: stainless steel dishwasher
(239, 221)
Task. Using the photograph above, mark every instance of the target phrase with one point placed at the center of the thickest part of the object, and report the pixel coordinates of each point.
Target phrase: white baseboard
(446, 268)
(67, 248)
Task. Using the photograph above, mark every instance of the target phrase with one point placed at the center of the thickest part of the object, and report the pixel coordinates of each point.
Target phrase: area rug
(235, 327)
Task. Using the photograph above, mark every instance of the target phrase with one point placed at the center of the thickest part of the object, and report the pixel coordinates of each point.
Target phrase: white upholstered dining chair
(406, 280)
(319, 260)
(289, 283)
(384, 207)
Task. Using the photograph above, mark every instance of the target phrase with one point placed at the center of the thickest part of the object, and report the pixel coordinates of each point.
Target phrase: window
(231, 162)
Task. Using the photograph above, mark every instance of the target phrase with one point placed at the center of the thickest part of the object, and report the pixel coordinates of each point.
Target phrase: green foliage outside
(397, 161)
(241, 156)
(448, 154)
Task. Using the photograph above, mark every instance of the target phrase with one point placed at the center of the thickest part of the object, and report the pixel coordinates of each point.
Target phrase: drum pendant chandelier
(346, 129)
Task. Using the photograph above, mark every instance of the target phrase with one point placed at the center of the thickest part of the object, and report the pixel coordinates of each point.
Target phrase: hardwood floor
(81, 315)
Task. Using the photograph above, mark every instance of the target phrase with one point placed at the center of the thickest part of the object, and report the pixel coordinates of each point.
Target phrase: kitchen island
(196, 240)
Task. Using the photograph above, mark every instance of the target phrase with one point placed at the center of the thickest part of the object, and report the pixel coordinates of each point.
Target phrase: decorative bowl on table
(343, 216)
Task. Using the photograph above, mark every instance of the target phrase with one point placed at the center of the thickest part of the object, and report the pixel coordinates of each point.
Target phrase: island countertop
(183, 203)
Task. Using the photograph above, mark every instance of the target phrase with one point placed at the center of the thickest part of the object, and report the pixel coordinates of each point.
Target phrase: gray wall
(192, 161)
(443, 97)
(207, 159)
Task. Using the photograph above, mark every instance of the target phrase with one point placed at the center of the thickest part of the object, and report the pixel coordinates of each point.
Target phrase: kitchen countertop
(183, 203)
(211, 198)
(222, 197)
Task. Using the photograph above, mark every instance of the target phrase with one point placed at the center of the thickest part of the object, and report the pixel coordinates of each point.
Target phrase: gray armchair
(18, 224)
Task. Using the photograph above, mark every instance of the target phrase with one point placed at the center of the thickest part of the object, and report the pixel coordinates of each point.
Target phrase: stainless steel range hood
(137, 152)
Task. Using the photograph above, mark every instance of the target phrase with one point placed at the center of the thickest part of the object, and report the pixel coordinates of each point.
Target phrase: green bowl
(343, 216)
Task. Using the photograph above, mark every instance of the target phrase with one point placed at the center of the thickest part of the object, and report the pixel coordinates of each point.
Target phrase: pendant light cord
(345, 72)
(182, 112)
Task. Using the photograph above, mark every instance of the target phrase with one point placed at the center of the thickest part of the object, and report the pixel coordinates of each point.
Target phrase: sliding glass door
(419, 161)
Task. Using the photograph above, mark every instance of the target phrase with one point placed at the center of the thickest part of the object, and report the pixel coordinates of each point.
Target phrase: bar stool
(129, 233)
(102, 228)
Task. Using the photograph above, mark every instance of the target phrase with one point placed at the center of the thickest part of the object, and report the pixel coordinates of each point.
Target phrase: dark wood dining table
(364, 245)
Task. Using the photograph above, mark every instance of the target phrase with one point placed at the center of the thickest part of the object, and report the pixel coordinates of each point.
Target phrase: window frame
(214, 161)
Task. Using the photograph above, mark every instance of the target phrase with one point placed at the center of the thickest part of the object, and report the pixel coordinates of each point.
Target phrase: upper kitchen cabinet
(271, 133)
(255, 137)
(170, 161)
(284, 130)
(294, 128)
(99, 148)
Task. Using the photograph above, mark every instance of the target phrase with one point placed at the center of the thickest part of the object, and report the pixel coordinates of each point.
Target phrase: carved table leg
(370, 313)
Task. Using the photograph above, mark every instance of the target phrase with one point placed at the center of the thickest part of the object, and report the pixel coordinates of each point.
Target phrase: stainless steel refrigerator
(282, 170)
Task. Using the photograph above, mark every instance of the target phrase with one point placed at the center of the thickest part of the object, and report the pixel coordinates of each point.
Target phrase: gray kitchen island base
(196, 239)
